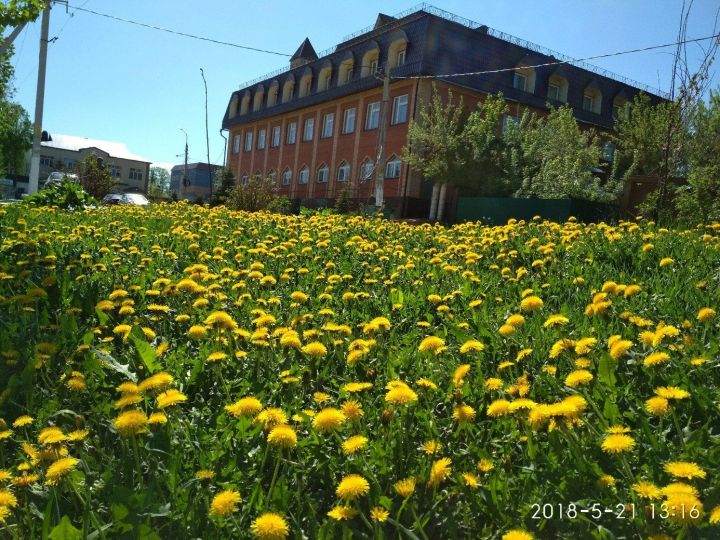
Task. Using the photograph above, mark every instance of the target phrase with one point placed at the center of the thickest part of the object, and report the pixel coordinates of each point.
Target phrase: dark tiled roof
(305, 52)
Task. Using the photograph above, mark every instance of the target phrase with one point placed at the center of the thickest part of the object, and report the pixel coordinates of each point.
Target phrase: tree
(435, 146)
(223, 181)
(158, 182)
(14, 12)
(95, 177)
(15, 136)
(560, 160)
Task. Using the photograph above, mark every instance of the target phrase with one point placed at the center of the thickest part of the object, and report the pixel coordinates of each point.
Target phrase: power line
(558, 62)
(175, 32)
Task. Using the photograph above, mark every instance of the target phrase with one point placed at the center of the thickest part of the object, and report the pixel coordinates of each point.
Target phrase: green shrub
(66, 195)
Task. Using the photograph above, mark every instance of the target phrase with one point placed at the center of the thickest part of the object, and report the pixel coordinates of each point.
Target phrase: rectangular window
(261, 139)
(236, 144)
(322, 175)
(366, 170)
(70, 163)
(244, 181)
(287, 177)
(308, 130)
(400, 58)
(115, 171)
(616, 111)
(248, 141)
(326, 81)
(392, 170)
(328, 124)
(372, 119)
(554, 92)
(275, 141)
(588, 102)
(348, 74)
(520, 81)
(46, 161)
(373, 67)
(291, 133)
(400, 109)
(135, 174)
(349, 120)
(343, 173)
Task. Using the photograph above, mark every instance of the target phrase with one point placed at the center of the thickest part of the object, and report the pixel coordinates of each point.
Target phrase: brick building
(313, 126)
(194, 182)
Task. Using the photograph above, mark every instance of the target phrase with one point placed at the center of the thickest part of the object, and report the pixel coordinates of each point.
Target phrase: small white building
(64, 152)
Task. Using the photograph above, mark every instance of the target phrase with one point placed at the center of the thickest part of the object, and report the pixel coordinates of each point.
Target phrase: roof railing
(473, 25)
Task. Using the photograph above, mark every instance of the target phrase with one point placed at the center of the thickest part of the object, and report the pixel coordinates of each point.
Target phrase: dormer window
(592, 100)
(520, 82)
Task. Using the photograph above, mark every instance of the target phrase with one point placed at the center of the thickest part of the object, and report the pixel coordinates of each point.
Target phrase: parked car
(56, 177)
(135, 199)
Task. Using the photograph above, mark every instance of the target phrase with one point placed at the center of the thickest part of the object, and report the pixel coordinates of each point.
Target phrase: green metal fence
(498, 210)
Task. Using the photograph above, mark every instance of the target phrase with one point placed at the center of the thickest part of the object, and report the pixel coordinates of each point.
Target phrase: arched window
(345, 72)
(557, 88)
(524, 78)
(272, 176)
(397, 49)
(370, 61)
(343, 172)
(393, 167)
(324, 77)
(287, 177)
(366, 170)
(592, 99)
(244, 180)
(288, 89)
(234, 105)
(304, 176)
(245, 103)
(618, 103)
(323, 174)
(305, 83)
(273, 94)
(258, 98)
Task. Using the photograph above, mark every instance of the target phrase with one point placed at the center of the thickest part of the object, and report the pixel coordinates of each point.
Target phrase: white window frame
(507, 120)
(272, 175)
(135, 174)
(343, 172)
(323, 174)
(287, 177)
(237, 140)
(400, 103)
(373, 113)
(244, 180)
(248, 141)
(309, 129)
(349, 120)
(275, 138)
(115, 171)
(366, 170)
(261, 139)
(373, 67)
(304, 176)
(328, 125)
(291, 136)
(400, 59)
(520, 77)
(557, 88)
(393, 168)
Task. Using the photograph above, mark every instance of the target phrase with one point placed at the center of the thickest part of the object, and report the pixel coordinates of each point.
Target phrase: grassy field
(184, 372)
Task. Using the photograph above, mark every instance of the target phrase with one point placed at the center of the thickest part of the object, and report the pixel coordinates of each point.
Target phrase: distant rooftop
(75, 143)
(383, 22)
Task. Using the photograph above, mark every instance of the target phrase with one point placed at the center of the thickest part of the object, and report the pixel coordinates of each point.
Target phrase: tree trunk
(434, 201)
(441, 203)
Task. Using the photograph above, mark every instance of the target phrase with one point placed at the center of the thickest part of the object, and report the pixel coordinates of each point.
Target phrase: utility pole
(380, 165)
(185, 182)
(207, 135)
(39, 101)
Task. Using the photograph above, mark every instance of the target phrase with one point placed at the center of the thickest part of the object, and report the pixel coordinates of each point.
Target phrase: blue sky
(111, 80)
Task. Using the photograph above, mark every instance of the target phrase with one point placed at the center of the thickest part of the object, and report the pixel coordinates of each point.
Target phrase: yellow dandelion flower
(499, 407)
(217, 356)
(247, 406)
(618, 443)
(471, 346)
(432, 344)
(684, 469)
(220, 319)
(158, 381)
(555, 320)
(405, 487)
(460, 374)
(169, 398)
(270, 526)
(329, 419)
(131, 422)
(379, 514)
(340, 513)
(271, 417)
(666, 261)
(656, 359)
(531, 303)
(352, 486)
(204, 474)
(715, 515)
(493, 383)
(659, 406)
(471, 480)
(315, 349)
(464, 413)
(282, 435)
(515, 321)
(619, 348)
(225, 503)
(157, 419)
(440, 471)
(354, 444)
(401, 394)
(517, 534)
(354, 387)
(197, 331)
(705, 314)
(352, 409)
(59, 469)
(578, 377)
(22, 421)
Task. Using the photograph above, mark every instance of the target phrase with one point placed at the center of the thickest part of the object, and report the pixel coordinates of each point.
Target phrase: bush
(66, 195)
(258, 194)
